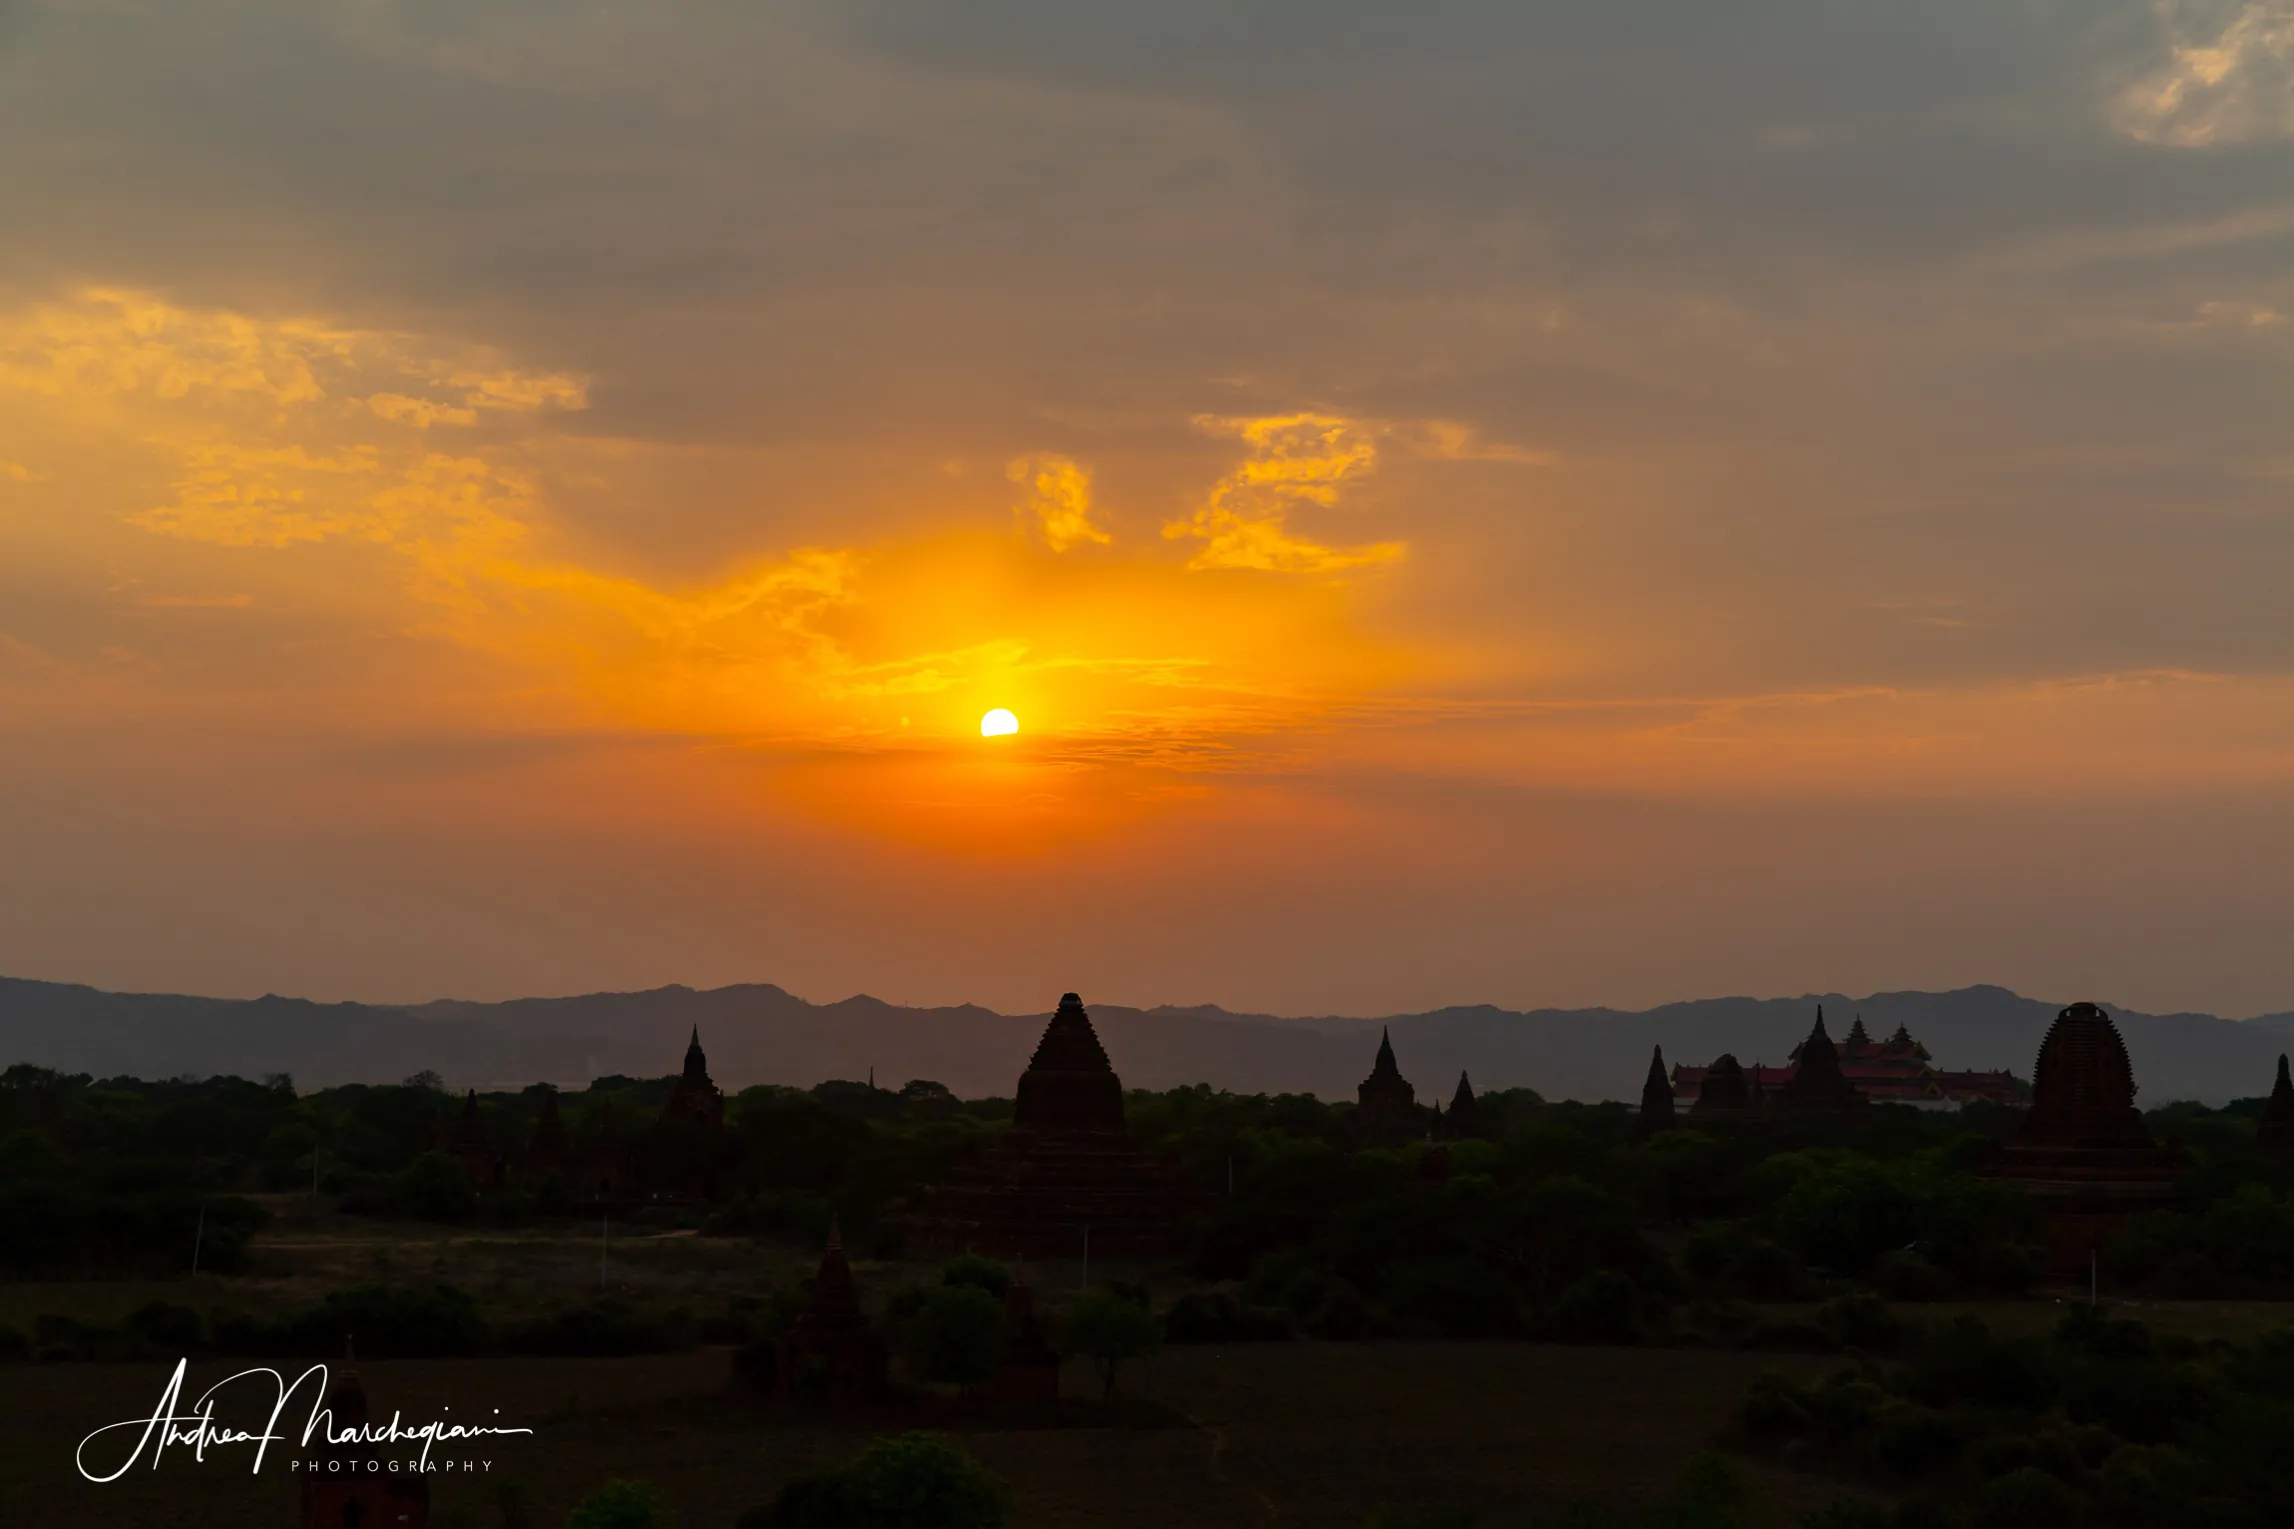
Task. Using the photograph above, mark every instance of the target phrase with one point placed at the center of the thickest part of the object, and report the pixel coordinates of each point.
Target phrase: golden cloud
(1296, 459)
(1058, 497)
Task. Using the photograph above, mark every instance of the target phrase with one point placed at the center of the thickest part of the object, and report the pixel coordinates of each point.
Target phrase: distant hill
(762, 1034)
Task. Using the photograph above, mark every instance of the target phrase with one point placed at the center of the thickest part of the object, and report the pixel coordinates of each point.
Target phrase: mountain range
(758, 1033)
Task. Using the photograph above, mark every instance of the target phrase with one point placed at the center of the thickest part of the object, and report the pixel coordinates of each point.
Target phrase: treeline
(1551, 1219)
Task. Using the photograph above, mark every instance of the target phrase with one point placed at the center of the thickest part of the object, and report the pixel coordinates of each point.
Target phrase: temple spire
(1656, 1099)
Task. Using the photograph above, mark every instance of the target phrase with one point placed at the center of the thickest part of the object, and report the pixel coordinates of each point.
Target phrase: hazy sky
(1470, 502)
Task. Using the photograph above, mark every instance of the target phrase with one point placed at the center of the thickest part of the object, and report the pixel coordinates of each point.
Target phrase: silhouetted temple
(695, 1100)
(1656, 1099)
(1817, 1085)
(1724, 1100)
(348, 1486)
(1386, 1106)
(1463, 1120)
(1066, 1169)
(2083, 1152)
(2274, 1132)
(1897, 1070)
(833, 1353)
(469, 1145)
(550, 1155)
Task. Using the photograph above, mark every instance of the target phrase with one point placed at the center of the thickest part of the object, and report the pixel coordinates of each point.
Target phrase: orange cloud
(1059, 498)
(1296, 459)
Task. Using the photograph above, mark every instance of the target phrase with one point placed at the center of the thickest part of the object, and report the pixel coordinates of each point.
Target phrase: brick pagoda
(1067, 1169)
(2083, 1152)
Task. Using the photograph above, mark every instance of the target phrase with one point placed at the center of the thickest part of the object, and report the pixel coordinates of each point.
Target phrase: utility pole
(604, 1241)
(197, 1237)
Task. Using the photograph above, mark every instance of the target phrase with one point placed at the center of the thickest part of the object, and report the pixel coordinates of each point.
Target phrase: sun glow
(998, 723)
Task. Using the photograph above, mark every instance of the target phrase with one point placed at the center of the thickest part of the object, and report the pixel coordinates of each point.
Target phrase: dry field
(1304, 1434)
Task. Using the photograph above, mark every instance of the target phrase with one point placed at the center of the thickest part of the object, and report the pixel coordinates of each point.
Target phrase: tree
(621, 1505)
(985, 1273)
(956, 1336)
(436, 1187)
(915, 1481)
(1107, 1329)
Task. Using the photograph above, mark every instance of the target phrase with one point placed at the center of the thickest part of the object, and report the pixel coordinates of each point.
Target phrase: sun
(998, 723)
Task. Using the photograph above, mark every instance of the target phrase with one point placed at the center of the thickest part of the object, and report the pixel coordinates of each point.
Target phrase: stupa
(2274, 1132)
(1656, 1099)
(1386, 1106)
(1817, 1085)
(833, 1353)
(350, 1485)
(1463, 1120)
(1066, 1175)
(696, 1100)
(2083, 1151)
(550, 1155)
(469, 1145)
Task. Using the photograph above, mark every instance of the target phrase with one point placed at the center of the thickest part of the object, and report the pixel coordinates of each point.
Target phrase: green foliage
(1108, 1330)
(913, 1481)
(2099, 1421)
(1603, 1307)
(1861, 1321)
(1217, 1317)
(602, 1328)
(1729, 1258)
(621, 1505)
(955, 1336)
(385, 1321)
(983, 1273)
(435, 1187)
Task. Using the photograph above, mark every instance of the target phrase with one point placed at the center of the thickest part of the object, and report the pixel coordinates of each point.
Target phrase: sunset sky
(1468, 502)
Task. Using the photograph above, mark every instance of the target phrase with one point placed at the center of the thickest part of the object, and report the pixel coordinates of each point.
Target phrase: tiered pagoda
(469, 1145)
(349, 1485)
(2274, 1132)
(1463, 1120)
(833, 1353)
(2083, 1152)
(1386, 1106)
(1656, 1099)
(695, 1101)
(1817, 1085)
(1725, 1099)
(1067, 1174)
(550, 1155)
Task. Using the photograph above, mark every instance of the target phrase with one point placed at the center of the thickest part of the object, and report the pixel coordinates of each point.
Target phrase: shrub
(1603, 1307)
(982, 1273)
(386, 1321)
(1861, 1321)
(2028, 1498)
(914, 1481)
(621, 1505)
(1217, 1317)
(956, 1335)
(434, 1187)
(603, 1328)
(1108, 1329)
